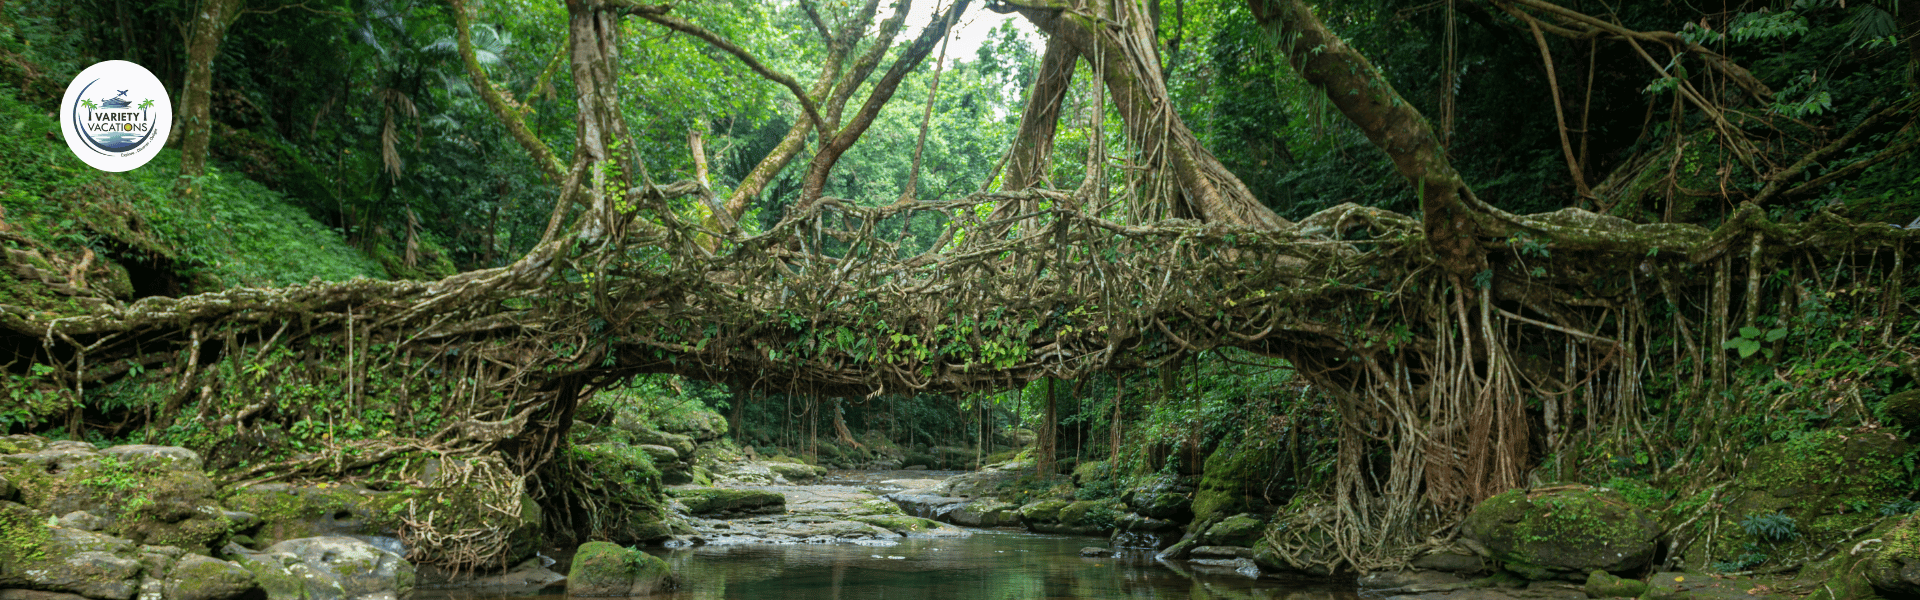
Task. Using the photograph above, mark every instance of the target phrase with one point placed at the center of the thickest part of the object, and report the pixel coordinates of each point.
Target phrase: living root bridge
(1432, 369)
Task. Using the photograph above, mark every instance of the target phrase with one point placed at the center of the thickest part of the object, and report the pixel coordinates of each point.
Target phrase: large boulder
(603, 569)
(701, 425)
(992, 481)
(149, 494)
(445, 490)
(1894, 569)
(682, 445)
(58, 559)
(327, 568)
(196, 577)
(1565, 533)
(1239, 478)
(1085, 517)
(931, 506)
(984, 513)
(794, 471)
(293, 511)
(1238, 530)
(1166, 497)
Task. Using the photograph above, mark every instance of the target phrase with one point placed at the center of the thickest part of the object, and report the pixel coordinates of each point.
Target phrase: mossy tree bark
(208, 28)
(1357, 89)
(1032, 152)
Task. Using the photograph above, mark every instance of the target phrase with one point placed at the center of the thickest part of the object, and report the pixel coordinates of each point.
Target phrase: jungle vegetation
(1436, 249)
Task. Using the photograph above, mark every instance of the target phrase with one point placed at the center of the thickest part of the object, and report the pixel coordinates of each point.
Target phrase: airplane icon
(122, 93)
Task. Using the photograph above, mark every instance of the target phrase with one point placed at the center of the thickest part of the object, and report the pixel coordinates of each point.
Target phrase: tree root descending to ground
(1461, 344)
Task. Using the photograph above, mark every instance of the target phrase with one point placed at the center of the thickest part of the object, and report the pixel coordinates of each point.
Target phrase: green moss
(276, 581)
(288, 512)
(1090, 513)
(1043, 511)
(875, 507)
(606, 569)
(23, 535)
(1231, 481)
(1237, 530)
(1830, 482)
(1564, 532)
(1601, 584)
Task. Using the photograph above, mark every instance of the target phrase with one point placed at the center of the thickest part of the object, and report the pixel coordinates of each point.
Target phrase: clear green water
(988, 565)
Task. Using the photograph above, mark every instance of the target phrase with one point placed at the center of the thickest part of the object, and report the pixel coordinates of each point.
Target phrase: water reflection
(988, 565)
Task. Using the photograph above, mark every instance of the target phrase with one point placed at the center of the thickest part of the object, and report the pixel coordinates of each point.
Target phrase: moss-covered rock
(331, 567)
(683, 446)
(150, 494)
(1044, 510)
(698, 423)
(602, 569)
(1903, 409)
(1563, 533)
(1086, 473)
(1826, 484)
(795, 471)
(1163, 497)
(1239, 478)
(197, 577)
(1823, 472)
(58, 559)
(1238, 530)
(985, 513)
(703, 501)
(1601, 584)
(1085, 517)
(293, 511)
(1894, 568)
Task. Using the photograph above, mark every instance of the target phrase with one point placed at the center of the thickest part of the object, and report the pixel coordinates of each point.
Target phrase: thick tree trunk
(209, 28)
(1370, 102)
(1040, 119)
(1046, 433)
(1117, 38)
(593, 34)
(1032, 152)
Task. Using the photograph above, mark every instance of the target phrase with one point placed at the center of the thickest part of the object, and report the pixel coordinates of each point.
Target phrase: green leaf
(1749, 332)
(1777, 333)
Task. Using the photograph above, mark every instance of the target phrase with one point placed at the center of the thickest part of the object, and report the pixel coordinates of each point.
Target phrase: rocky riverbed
(78, 522)
(843, 507)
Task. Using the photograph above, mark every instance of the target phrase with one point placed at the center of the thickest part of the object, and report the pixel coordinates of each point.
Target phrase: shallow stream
(996, 565)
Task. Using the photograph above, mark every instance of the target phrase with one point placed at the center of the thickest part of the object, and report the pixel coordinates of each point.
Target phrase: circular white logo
(116, 115)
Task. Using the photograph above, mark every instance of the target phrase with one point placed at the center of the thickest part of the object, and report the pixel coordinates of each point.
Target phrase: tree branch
(542, 155)
(883, 91)
(687, 27)
(1776, 184)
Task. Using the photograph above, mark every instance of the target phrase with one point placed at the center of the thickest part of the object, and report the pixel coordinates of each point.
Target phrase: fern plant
(1775, 527)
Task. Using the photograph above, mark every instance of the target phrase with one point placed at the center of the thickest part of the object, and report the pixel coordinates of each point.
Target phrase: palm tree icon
(90, 106)
(143, 107)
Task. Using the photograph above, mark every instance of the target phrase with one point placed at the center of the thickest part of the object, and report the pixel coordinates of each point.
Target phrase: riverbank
(151, 522)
